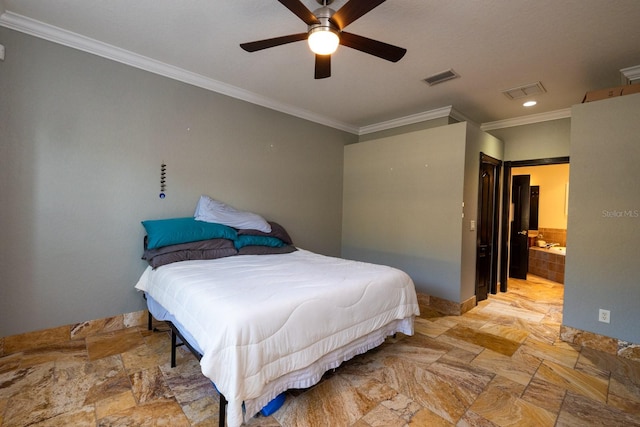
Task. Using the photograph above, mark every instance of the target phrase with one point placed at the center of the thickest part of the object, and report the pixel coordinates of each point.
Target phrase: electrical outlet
(604, 316)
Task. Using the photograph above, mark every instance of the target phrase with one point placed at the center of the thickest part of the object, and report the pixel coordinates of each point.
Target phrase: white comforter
(257, 318)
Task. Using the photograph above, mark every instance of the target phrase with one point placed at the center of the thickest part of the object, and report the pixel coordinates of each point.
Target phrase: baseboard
(445, 306)
(61, 334)
(603, 343)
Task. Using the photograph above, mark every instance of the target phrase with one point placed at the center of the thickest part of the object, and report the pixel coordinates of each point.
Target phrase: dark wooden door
(486, 258)
(519, 238)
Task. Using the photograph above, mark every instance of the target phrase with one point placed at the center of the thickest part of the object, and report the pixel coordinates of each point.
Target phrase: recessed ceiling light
(529, 104)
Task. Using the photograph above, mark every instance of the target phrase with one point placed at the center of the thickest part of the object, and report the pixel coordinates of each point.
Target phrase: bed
(279, 320)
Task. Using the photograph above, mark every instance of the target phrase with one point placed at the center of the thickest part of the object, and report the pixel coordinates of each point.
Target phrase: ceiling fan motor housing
(324, 15)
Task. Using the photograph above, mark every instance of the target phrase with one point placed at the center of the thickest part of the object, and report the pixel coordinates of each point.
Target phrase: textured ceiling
(571, 46)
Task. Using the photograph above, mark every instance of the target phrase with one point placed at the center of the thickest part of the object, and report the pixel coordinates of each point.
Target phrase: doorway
(515, 220)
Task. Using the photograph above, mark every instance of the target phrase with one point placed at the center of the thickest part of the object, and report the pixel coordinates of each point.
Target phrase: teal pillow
(251, 240)
(165, 232)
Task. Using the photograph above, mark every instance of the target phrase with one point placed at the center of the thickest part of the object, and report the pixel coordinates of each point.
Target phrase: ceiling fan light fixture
(323, 40)
(325, 32)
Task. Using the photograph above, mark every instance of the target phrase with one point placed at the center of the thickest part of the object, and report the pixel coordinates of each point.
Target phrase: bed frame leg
(222, 411)
(173, 348)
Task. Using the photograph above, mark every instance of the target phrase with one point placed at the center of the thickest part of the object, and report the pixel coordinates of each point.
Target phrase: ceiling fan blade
(373, 47)
(353, 10)
(301, 11)
(276, 41)
(323, 66)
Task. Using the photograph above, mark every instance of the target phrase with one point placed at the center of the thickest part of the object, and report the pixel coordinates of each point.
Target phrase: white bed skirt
(309, 376)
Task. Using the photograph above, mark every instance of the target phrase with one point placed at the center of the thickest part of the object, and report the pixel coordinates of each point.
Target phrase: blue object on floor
(270, 407)
(274, 405)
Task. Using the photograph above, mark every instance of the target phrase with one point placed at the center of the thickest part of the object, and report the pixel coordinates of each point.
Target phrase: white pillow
(210, 210)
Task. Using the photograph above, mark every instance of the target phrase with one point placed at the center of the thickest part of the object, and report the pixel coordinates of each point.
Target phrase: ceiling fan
(325, 33)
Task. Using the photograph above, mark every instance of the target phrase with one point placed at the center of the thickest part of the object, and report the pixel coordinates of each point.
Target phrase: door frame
(506, 207)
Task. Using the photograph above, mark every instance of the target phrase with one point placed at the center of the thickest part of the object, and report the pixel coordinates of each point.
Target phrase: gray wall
(536, 141)
(82, 140)
(603, 241)
(402, 204)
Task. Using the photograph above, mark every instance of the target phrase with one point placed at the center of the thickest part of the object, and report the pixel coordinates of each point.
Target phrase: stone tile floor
(500, 364)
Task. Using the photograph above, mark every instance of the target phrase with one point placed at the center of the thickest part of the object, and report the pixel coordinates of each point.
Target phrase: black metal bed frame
(175, 334)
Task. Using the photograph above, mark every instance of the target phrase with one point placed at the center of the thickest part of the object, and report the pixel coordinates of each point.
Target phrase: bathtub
(558, 249)
(547, 262)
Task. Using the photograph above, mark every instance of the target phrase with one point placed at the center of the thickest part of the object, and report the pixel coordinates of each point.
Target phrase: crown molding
(630, 75)
(457, 115)
(407, 120)
(70, 39)
(527, 120)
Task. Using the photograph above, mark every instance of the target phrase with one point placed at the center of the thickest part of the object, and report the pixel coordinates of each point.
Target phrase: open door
(519, 237)
(487, 231)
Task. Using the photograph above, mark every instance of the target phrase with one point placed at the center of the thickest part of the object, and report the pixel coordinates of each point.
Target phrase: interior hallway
(500, 364)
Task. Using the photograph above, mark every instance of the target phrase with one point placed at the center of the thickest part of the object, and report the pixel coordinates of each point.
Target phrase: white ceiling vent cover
(441, 77)
(524, 91)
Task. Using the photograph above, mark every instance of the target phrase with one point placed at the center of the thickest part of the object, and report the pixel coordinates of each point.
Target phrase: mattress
(271, 322)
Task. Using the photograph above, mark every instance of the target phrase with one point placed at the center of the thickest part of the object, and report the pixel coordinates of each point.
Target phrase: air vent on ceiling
(441, 77)
(524, 91)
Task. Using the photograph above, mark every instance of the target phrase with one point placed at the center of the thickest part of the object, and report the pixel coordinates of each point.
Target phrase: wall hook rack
(163, 180)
